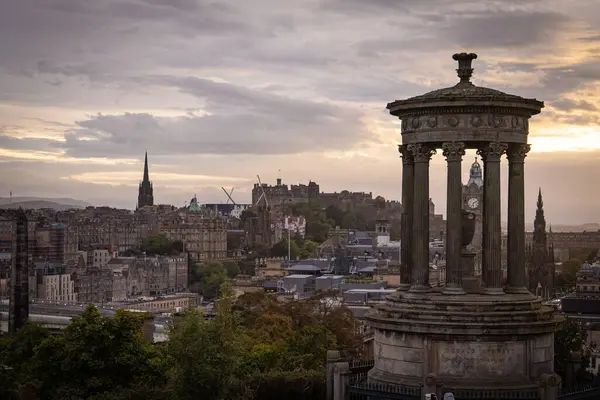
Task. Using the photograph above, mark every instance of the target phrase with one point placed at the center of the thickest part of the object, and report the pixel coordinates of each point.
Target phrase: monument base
(466, 343)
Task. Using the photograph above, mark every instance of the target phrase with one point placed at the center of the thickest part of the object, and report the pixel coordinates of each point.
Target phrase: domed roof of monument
(465, 92)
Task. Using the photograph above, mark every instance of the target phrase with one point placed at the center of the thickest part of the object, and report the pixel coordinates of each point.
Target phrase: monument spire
(19, 283)
(540, 220)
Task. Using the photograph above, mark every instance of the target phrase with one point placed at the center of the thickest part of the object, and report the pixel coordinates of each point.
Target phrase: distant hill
(40, 202)
(591, 227)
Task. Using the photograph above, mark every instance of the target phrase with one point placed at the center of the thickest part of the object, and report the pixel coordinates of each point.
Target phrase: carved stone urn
(468, 227)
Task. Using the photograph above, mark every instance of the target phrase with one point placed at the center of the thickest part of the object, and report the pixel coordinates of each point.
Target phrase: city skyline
(218, 93)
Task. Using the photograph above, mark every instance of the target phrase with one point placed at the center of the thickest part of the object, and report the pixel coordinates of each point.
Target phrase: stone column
(341, 380)
(516, 281)
(408, 177)
(492, 229)
(453, 152)
(420, 221)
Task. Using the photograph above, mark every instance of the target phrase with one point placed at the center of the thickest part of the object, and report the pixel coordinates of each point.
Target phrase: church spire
(145, 192)
(146, 175)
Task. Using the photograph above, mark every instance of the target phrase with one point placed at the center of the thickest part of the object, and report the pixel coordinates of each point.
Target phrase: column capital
(420, 152)
(405, 154)
(493, 151)
(518, 152)
(453, 151)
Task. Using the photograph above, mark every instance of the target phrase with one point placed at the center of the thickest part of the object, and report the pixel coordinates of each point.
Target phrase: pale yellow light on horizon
(132, 177)
(60, 157)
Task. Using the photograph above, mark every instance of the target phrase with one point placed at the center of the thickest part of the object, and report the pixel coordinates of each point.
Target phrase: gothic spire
(539, 224)
(540, 220)
(145, 193)
(146, 175)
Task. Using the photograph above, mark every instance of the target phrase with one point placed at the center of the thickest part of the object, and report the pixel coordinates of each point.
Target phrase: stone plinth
(468, 342)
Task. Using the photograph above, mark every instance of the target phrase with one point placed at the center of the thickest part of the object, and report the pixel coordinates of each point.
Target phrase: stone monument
(19, 279)
(493, 342)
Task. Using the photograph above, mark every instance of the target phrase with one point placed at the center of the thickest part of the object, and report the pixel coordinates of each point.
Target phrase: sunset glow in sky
(219, 91)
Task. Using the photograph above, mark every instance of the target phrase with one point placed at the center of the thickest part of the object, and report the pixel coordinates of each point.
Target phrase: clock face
(473, 203)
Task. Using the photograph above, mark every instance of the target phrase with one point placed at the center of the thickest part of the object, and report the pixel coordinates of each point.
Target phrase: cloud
(234, 89)
(567, 104)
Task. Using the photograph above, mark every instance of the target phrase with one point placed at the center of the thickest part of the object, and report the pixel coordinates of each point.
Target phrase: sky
(221, 91)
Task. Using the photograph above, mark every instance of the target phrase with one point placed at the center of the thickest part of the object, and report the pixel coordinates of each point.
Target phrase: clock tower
(472, 196)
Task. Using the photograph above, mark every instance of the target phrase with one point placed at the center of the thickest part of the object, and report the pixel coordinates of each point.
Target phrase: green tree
(568, 273)
(16, 351)
(207, 277)
(379, 203)
(161, 245)
(232, 268)
(317, 222)
(571, 337)
(308, 249)
(204, 357)
(335, 214)
(98, 357)
(280, 249)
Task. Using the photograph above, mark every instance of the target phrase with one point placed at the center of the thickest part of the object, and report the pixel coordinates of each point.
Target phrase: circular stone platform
(465, 341)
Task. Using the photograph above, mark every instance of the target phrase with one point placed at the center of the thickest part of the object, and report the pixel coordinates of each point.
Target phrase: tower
(472, 200)
(540, 257)
(145, 191)
(19, 279)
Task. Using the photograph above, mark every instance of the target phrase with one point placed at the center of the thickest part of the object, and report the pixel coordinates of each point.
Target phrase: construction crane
(229, 195)
(263, 195)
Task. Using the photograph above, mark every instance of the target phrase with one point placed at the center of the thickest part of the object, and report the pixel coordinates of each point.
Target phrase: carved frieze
(456, 122)
(453, 121)
(432, 121)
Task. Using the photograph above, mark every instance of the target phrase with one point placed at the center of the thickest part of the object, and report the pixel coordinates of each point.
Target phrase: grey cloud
(240, 121)
(12, 143)
(567, 104)
(507, 29)
(475, 30)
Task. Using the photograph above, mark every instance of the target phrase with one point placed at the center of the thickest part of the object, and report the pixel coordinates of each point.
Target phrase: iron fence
(589, 391)
(361, 389)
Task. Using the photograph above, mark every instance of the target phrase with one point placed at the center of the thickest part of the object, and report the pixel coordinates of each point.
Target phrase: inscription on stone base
(480, 360)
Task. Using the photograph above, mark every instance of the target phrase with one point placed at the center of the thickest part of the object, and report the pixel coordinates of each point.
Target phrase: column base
(420, 289)
(495, 291)
(453, 290)
(403, 287)
(516, 290)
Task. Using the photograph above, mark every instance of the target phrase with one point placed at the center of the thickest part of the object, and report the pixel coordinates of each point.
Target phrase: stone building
(540, 256)
(281, 194)
(117, 231)
(56, 288)
(145, 191)
(56, 242)
(436, 340)
(568, 245)
(7, 231)
(99, 285)
(437, 224)
(203, 231)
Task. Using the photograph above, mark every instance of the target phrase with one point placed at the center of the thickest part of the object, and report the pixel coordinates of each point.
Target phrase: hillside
(40, 202)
